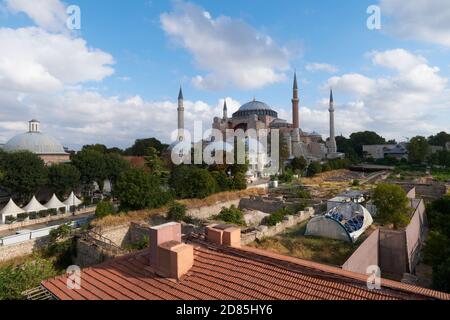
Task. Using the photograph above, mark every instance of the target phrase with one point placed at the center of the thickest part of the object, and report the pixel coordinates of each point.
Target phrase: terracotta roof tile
(230, 274)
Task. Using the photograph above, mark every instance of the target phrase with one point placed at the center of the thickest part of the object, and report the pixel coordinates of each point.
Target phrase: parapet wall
(290, 221)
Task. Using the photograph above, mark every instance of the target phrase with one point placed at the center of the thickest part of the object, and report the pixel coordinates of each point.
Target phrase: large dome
(255, 108)
(36, 142)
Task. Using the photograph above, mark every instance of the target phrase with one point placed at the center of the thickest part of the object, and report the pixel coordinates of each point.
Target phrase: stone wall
(263, 204)
(206, 212)
(21, 249)
(89, 254)
(119, 235)
(265, 231)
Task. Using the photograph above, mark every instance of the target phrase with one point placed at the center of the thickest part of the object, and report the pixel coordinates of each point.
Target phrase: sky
(116, 78)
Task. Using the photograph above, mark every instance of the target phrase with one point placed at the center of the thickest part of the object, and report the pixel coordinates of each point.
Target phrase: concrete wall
(366, 255)
(415, 235)
(262, 232)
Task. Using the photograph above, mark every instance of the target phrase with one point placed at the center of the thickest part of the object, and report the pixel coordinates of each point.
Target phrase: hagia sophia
(259, 115)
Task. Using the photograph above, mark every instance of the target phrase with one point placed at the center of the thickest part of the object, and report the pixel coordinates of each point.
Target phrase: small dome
(36, 142)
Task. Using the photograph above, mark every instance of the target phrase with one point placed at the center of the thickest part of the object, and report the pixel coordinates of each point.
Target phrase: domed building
(41, 144)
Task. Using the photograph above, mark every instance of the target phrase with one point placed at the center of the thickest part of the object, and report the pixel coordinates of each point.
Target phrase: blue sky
(117, 78)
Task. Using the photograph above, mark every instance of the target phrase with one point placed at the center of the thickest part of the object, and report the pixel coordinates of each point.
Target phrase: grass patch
(441, 174)
(294, 243)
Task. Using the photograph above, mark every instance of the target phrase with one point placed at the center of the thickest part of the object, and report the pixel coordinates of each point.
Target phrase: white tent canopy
(54, 203)
(73, 200)
(34, 206)
(11, 209)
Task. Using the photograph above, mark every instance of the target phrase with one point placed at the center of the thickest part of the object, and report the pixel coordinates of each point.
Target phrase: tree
(314, 168)
(358, 139)
(437, 246)
(440, 139)
(137, 189)
(345, 145)
(25, 174)
(284, 153)
(392, 205)
(92, 166)
(104, 208)
(96, 147)
(153, 161)
(299, 164)
(188, 181)
(115, 166)
(418, 150)
(63, 178)
(140, 147)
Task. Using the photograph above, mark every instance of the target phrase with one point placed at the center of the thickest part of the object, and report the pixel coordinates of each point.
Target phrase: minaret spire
(225, 109)
(295, 103)
(180, 115)
(332, 148)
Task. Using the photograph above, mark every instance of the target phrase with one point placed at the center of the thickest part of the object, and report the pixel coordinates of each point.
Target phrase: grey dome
(255, 108)
(36, 142)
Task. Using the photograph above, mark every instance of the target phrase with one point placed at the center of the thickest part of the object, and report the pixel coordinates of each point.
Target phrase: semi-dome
(35, 141)
(255, 108)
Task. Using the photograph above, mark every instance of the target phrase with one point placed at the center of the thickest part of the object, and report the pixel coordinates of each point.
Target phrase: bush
(232, 215)
(314, 168)
(10, 219)
(303, 194)
(189, 182)
(278, 216)
(356, 183)
(286, 176)
(177, 212)
(137, 189)
(22, 216)
(104, 208)
(16, 279)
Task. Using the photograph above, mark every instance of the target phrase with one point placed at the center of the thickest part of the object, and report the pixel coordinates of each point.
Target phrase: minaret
(225, 110)
(295, 102)
(332, 142)
(180, 116)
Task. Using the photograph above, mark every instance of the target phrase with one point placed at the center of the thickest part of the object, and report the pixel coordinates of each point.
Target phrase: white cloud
(231, 52)
(315, 66)
(47, 14)
(422, 20)
(413, 98)
(32, 59)
(89, 117)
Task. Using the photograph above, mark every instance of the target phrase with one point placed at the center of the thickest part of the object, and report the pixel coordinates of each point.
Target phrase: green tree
(153, 161)
(140, 147)
(191, 182)
(392, 205)
(115, 166)
(299, 164)
(314, 168)
(63, 178)
(358, 139)
(104, 208)
(418, 150)
(284, 153)
(440, 139)
(95, 147)
(25, 174)
(137, 189)
(92, 166)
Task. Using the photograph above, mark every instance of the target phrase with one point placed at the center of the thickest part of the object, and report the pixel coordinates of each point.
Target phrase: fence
(27, 235)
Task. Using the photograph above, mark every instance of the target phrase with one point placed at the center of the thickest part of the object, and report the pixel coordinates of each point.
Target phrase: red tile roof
(229, 274)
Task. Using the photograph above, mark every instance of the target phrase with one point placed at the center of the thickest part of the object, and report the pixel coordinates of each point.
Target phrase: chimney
(168, 255)
(223, 234)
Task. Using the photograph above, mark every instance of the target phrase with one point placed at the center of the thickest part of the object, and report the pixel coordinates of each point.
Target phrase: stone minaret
(180, 116)
(295, 102)
(225, 110)
(332, 142)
